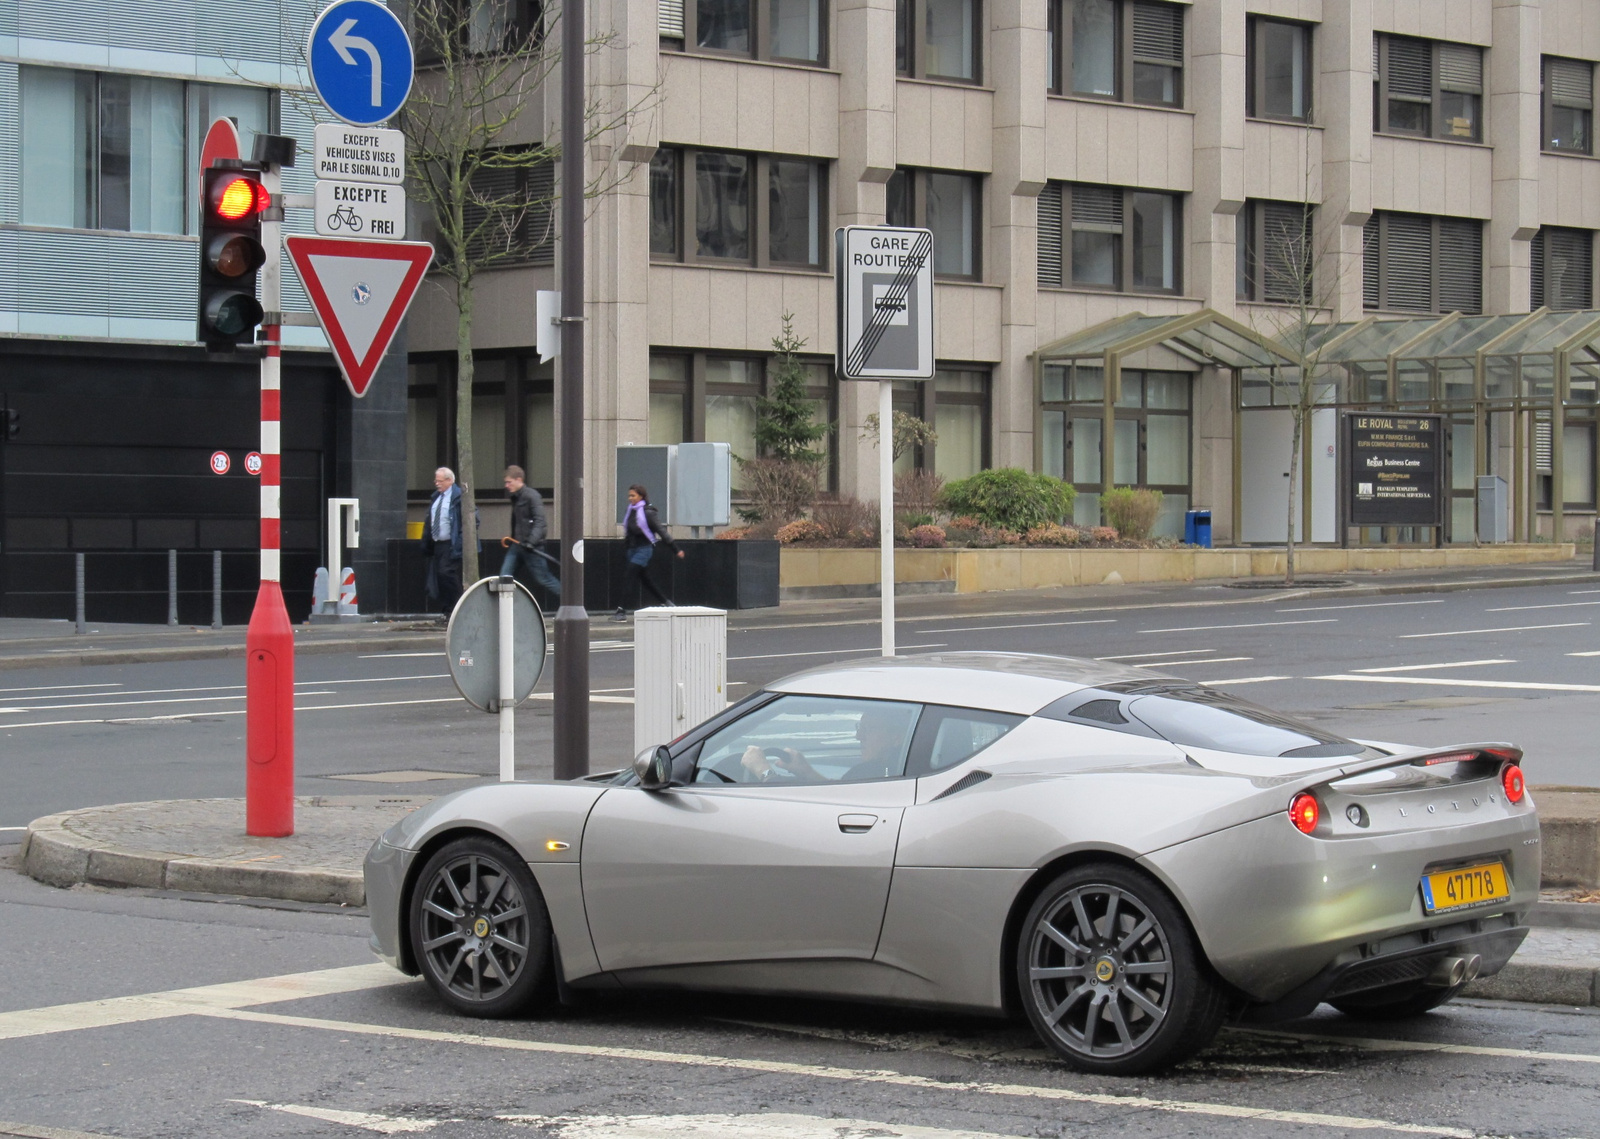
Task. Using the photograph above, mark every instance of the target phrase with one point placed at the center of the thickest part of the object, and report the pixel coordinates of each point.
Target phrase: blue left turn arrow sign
(361, 61)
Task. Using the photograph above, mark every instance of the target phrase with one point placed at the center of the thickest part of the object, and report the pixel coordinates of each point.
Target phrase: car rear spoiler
(1497, 752)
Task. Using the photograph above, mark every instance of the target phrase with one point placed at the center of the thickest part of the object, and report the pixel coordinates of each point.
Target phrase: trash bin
(1197, 528)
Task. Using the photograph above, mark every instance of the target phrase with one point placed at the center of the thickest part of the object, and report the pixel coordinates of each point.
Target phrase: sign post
(884, 279)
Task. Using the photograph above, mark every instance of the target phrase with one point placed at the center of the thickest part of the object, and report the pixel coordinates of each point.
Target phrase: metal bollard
(172, 587)
(216, 589)
(79, 559)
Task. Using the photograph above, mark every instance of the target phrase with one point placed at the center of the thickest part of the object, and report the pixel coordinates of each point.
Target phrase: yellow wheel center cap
(1105, 969)
(480, 928)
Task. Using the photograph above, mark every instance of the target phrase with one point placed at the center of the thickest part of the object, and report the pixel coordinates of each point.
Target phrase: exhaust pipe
(1453, 971)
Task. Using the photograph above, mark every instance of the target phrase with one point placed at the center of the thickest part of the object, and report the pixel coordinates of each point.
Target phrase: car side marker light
(1511, 780)
(1304, 811)
(557, 844)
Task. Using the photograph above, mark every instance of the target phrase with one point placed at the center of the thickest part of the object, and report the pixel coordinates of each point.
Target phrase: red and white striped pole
(269, 645)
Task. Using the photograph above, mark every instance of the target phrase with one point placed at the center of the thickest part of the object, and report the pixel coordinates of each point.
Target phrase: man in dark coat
(528, 529)
(441, 541)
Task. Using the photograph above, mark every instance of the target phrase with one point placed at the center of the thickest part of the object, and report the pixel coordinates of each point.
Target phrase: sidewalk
(199, 845)
(38, 643)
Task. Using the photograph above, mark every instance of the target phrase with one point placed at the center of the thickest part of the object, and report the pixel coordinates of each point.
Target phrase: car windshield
(1201, 717)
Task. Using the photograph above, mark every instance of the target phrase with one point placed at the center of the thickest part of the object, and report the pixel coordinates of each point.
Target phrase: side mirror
(654, 768)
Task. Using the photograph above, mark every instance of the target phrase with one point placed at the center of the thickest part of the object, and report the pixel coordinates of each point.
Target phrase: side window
(799, 740)
(946, 736)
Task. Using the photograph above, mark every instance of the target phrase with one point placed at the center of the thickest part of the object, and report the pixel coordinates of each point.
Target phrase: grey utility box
(1494, 509)
(702, 485)
(652, 467)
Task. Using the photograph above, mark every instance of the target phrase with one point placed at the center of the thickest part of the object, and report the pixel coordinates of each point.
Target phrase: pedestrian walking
(641, 531)
(528, 529)
(441, 542)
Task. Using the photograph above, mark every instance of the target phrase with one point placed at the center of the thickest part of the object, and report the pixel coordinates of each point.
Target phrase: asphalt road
(289, 1029)
(1517, 664)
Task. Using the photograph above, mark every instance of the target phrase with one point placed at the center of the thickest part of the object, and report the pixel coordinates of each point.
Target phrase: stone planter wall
(811, 572)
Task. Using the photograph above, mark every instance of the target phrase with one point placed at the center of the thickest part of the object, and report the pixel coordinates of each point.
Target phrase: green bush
(1010, 498)
(1131, 510)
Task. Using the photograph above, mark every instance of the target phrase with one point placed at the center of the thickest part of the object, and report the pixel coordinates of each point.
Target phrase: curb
(214, 652)
(55, 856)
(1575, 985)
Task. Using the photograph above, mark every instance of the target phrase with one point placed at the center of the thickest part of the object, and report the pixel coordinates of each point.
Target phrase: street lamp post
(572, 619)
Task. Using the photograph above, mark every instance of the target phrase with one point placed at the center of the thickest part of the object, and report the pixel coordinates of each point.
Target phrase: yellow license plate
(1446, 890)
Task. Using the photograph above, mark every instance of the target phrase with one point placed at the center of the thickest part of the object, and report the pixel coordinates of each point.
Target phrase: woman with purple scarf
(641, 530)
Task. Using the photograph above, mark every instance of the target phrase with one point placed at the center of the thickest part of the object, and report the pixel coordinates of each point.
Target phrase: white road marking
(53, 687)
(144, 703)
(1507, 629)
(1244, 680)
(833, 652)
(238, 688)
(775, 1125)
(1360, 605)
(1530, 685)
(181, 1002)
(399, 656)
(1196, 660)
(1554, 605)
(1371, 1044)
(1168, 653)
(593, 699)
(1250, 625)
(13, 830)
(1592, 653)
(853, 1075)
(215, 712)
(1425, 667)
(382, 1124)
(1027, 625)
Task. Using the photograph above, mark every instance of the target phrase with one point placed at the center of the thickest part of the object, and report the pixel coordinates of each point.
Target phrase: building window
(1278, 70)
(713, 195)
(700, 397)
(476, 27)
(1275, 258)
(1414, 263)
(1567, 110)
(1427, 88)
(513, 421)
(1105, 237)
(948, 205)
(956, 403)
(1151, 447)
(508, 216)
(1561, 269)
(107, 151)
(938, 39)
(788, 30)
(1128, 50)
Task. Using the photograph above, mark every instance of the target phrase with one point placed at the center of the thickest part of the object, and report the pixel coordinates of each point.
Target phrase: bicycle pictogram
(346, 216)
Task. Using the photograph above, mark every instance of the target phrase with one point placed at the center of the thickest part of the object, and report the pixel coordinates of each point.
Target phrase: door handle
(857, 824)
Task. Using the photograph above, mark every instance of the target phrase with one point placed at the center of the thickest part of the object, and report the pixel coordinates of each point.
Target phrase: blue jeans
(537, 566)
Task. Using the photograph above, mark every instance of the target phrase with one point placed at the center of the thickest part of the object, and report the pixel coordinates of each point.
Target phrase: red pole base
(269, 717)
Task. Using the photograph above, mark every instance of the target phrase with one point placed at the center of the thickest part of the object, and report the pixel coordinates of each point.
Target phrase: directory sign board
(1393, 469)
(884, 279)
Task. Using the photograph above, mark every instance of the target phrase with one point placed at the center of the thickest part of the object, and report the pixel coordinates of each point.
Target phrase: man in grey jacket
(528, 528)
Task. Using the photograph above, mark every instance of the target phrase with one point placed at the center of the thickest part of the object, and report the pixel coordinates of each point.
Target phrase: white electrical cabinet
(680, 670)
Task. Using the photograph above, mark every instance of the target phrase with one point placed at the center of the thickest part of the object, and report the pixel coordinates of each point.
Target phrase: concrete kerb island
(815, 572)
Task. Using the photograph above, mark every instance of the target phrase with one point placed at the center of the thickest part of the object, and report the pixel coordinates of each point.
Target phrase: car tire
(480, 932)
(1112, 976)
(1397, 1002)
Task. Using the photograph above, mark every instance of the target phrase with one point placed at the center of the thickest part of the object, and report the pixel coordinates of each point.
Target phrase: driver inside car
(881, 733)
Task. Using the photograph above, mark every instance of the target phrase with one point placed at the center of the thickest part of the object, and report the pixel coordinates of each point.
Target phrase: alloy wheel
(475, 930)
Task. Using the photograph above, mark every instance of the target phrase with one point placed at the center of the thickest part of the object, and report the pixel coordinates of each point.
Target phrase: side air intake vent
(971, 779)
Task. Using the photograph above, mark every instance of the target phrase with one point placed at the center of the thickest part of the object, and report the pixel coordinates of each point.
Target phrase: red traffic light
(238, 198)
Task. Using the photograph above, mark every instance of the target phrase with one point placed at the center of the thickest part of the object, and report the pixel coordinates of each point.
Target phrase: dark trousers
(538, 568)
(636, 579)
(444, 578)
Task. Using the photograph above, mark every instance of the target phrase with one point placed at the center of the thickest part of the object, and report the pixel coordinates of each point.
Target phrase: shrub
(847, 521)
(927, 537)
(1051, 534)
(800, 530)
(1010, 498)
(1132, 511)
(734, 533)
(780, 490)
(917, 492)
(1103, 533)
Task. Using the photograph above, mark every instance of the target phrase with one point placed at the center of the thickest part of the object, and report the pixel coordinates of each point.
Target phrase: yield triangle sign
(360, 290)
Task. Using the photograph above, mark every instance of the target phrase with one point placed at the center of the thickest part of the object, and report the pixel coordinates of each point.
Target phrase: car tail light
(1304, 811)
(1511, 780)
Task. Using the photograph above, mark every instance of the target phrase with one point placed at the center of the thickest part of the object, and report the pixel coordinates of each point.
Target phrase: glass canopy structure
(1518, 391)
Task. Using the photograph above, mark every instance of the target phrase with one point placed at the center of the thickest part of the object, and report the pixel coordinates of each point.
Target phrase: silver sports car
(1128, 859)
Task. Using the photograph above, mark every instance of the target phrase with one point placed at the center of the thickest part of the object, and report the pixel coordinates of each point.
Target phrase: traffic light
(231, 204)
